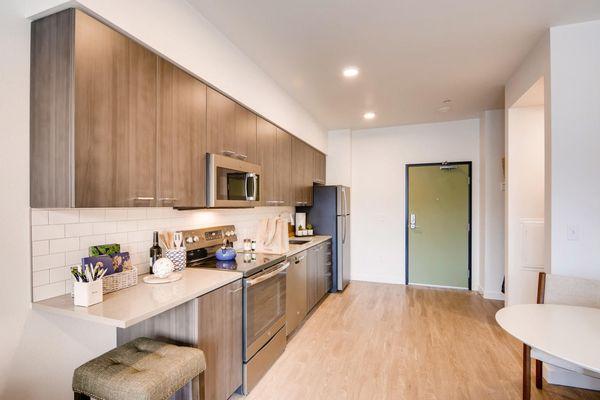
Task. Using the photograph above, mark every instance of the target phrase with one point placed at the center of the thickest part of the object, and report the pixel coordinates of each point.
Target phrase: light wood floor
(379, 341)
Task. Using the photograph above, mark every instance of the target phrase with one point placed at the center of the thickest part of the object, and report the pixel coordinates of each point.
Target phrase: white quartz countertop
(314, 240)
(127, 307)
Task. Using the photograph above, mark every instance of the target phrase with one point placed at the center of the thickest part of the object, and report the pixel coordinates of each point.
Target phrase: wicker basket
(120, 280)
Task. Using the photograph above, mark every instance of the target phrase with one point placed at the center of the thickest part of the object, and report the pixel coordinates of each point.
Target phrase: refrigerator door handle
(344, 203)
(344, 234)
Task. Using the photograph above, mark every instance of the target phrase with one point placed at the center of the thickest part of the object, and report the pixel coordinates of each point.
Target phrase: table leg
(526, 372)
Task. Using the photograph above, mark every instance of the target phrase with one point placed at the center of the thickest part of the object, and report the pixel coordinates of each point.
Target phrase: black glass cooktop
(246, 263)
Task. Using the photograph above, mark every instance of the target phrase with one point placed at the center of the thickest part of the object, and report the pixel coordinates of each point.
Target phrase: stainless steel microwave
(232, 182)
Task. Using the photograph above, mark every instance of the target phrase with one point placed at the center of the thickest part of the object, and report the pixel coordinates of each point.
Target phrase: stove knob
(189, 240)
(196, 239)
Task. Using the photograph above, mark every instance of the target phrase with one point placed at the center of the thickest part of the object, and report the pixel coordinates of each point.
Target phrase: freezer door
(346, 192)
(343, 200)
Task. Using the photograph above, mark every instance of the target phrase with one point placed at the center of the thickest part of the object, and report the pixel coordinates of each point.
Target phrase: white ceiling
(412, 54)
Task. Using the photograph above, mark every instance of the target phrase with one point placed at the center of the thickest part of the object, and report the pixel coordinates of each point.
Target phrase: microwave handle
(254, 178)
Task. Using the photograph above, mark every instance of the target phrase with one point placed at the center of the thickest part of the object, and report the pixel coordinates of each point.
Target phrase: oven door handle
(262, 278)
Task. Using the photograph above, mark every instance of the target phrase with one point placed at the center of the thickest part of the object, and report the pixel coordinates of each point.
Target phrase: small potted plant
(300, 231)
(87, 288)
(309, 229)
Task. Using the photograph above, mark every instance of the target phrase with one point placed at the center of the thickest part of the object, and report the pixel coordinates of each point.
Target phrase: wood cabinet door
(297, 180)
(267, 139)
(245, 139)
(181, 138)
(309, 164)
(220, 338)
(220, 123)
(114, 118)
(312, 265)
(319, 167)
(283, 168)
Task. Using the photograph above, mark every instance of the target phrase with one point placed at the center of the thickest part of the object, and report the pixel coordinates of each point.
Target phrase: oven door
(232, 182)
(264, 307)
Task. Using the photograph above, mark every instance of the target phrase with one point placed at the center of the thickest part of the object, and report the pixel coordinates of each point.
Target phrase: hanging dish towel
(272, 236)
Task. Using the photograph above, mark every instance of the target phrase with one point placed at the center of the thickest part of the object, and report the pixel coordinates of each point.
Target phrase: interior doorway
(438, 224)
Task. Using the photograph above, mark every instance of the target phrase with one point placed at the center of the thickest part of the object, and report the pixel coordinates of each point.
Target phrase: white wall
(177, 31)
(575, 81)
(491, 148)
(39, 351)
(525, 197)
(379, 157)
(339, 157)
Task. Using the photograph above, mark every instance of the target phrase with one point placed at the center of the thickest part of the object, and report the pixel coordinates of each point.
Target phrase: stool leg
(198, 388)
(80, 396)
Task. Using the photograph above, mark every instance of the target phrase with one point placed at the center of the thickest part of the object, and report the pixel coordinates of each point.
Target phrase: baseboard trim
(377, 278)
(493, 295)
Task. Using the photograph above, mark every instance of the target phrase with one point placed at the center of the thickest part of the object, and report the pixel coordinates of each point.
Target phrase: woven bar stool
(143, 369)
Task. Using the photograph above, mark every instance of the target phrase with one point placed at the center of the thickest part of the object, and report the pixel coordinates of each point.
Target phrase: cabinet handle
(169, 199)
(241, 156)
(143, 198)
(272, 202)
(228, 153)
(281, 202)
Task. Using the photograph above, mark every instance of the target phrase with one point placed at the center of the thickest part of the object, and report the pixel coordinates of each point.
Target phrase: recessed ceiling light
(369, 115)
(350, 72)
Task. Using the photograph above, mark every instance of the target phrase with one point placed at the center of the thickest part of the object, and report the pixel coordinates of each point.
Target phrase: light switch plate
(572, 232)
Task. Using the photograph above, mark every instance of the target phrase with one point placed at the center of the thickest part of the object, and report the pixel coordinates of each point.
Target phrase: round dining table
(570, 333)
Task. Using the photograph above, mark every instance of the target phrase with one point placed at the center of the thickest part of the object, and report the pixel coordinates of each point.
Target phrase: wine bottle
(155, 251)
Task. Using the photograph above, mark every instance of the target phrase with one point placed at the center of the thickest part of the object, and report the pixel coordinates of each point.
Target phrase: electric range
(264, 297)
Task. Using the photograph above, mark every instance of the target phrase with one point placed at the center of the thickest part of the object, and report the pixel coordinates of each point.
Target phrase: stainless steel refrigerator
(330, 215)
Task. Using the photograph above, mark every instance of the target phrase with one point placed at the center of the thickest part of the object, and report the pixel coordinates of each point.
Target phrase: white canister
(86, 294)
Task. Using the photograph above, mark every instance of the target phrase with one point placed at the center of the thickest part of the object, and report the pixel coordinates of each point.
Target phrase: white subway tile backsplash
(72, 230)
(116, 237)
(136, 213)
(59, 274)
(74, 257)
(139, 236)
(63, 216)
(116, 214)
(44, 232)
(60, 240)
(48, 261)
(64, 245)
(39, 278)
(104, 227)
(40, 248)
(48, 291)
(127, 226)
(92, 215)
(86, 241)
(39, 217)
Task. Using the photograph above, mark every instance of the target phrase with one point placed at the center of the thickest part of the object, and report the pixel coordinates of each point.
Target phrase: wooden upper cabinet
(297, 181)
(181, 138)
(220, 123)
(100, 93)
(231, 128)
(245, 140)
(267, 140)
(283, 168)
(309, 165)
(115, 118)
(319, 171)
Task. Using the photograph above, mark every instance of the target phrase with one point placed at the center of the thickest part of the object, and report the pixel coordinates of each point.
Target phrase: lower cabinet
(220, 338)
(295, 301)
(318, 273)
(308, 280)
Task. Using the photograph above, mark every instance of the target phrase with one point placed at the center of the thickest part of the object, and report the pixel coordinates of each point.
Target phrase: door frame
(470, 221)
